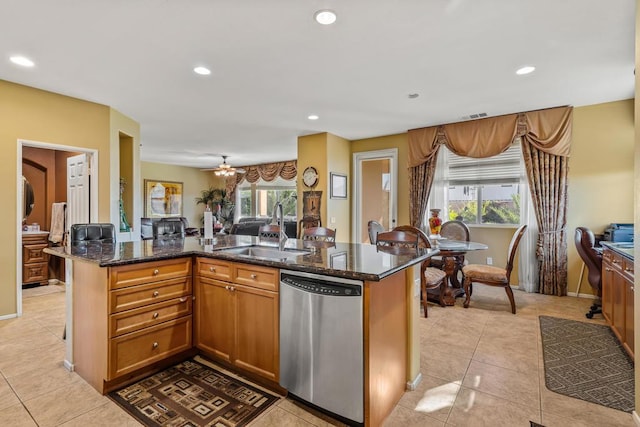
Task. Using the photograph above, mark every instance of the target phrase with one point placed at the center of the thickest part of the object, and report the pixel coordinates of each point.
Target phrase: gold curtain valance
(548, 130)
(268, 172)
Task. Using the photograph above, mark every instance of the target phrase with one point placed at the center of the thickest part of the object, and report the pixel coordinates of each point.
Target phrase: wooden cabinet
(237, 315)
(617, 296)
(133, 316)
(35, 263)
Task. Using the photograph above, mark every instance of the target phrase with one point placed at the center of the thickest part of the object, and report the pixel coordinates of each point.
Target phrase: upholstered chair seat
(479, 272)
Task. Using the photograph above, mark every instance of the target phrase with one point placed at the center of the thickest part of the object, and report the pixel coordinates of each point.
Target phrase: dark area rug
(586, 361)
(192, 394)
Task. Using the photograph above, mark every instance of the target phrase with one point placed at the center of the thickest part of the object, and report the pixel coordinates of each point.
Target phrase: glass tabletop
(459, 245)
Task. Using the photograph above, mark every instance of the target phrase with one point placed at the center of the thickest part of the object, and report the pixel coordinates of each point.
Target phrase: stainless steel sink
(264, 252)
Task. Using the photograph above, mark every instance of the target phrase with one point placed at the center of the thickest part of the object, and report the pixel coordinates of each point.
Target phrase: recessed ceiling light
(202, 71)
(313, 117)
(525, 70)
(21, 60)
(325, 17)
(413, 95)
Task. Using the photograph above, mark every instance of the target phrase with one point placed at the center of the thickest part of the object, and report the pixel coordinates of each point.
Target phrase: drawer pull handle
(156, 272)
(616, 261)
(254, 276)
(155, 315)
(156, 293)
(212, 269)
(184, 299)
(227, 287)
(628, 269)
(607, 269)
(155, 345)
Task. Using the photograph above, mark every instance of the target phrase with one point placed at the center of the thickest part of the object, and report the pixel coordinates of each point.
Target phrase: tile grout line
(19, 398)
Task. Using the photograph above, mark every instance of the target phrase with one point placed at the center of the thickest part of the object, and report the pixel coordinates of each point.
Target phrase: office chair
(592, 258)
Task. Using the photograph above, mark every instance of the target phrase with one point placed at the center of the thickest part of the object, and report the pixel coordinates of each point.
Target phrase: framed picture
(311, 203)
(162, 198)
(338, 186)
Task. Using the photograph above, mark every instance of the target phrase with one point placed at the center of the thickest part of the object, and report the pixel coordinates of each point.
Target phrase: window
(483, 191)
(258, 199)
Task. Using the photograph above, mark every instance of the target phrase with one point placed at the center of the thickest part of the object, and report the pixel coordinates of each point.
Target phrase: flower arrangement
(435, 223)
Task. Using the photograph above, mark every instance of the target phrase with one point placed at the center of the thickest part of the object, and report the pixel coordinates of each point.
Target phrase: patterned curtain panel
(420, 182)
(267, 172)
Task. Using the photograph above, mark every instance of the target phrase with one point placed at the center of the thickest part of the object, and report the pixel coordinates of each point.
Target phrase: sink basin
(264, 252)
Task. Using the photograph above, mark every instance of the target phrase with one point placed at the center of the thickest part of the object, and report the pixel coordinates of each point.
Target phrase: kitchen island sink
(268, 252)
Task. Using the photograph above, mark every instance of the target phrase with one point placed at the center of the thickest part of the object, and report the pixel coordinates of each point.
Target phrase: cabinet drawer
(136, 274)
(616, 261)
(142, 295)
(139, 318)
(139, 349)
(214, 268)
(34, 253)
(37, 272)
(257, 277)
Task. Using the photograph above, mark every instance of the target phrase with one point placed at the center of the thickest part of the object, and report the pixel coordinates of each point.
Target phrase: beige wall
(36, 115)
(339, 210)
(312, 151)
(194, 181)
(600, 174)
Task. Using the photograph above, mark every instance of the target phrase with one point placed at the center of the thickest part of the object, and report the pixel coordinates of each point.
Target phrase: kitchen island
(140, 306)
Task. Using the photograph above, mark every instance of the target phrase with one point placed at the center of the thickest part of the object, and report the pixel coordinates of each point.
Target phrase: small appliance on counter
(618, 232)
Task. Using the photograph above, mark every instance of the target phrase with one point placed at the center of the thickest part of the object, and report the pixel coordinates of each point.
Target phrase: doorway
(375, 191)
(91, 190)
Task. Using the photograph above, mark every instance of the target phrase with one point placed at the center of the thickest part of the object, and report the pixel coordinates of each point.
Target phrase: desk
(452, 253)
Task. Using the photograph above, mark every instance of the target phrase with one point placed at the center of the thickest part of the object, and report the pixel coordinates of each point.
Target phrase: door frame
(358, 158)
(93, 204)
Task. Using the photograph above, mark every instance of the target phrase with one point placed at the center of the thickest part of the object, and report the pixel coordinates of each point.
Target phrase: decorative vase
(435, 223)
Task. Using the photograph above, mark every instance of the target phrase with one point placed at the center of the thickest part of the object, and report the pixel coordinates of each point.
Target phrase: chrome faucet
(278, 212)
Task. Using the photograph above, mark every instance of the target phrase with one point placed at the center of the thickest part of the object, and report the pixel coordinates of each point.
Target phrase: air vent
(474, 116)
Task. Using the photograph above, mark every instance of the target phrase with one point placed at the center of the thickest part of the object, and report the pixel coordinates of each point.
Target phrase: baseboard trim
(636, 418)
(413, 384)
(588, 296)
(68, 365)
(8, 316)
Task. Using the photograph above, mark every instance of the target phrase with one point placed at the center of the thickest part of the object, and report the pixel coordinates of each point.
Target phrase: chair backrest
(308, 222)
(319, 233)
(103, 232)
(585, 244)
(269, 231)
(513, 247)
(374, 227)
(455, 230)
(168, 228)
(404, 236)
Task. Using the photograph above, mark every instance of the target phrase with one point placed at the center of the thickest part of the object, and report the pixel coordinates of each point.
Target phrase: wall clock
(310, 177)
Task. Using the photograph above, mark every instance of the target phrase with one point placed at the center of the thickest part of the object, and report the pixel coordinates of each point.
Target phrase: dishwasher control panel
(321, 287)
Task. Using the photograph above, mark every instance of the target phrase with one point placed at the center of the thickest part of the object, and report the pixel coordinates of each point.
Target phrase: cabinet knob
(212, 269)
(227, 287)
(254, 276)
(607, 269)
(233, 288)
(185, 298)
(156, 293)
(155, 345)
(155, 315)
(616, 261)
(632, 289)
(628, 269)
(156, 272)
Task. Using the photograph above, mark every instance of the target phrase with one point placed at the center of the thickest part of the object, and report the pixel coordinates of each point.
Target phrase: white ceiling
(273, 65)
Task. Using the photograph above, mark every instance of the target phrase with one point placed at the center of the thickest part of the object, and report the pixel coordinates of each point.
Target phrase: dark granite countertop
(348, 260)
(623, 248)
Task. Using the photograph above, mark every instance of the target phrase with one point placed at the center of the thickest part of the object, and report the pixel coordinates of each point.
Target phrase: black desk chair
(592, 258)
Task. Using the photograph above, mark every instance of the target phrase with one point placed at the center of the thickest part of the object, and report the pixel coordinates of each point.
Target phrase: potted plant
(218, 201)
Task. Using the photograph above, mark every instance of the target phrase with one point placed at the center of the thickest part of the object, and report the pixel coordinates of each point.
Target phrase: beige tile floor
(481, 367)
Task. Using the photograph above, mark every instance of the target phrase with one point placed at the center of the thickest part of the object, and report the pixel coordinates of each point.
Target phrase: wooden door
(257, 340)
(214, 318)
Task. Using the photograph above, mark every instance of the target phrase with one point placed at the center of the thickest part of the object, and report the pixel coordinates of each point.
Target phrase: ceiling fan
(225, 169)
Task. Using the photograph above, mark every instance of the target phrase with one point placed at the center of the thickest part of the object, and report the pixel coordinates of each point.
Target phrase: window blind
(505, 167)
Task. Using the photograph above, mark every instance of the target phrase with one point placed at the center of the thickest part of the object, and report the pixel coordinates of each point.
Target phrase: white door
(375, 188)
(78, 190)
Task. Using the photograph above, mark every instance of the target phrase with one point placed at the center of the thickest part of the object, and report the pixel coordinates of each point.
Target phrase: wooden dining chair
(407, 238)
(492, 275)
(269, 231)
(319, 233)
(374, 227)
(453, 230)
(308, 222)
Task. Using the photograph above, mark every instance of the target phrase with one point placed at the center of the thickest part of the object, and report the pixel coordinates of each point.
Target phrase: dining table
(453, 253)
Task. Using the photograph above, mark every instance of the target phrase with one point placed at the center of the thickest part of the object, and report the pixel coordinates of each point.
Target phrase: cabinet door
(619, 293)
(607, 291)
(257, 340)
(629, 328)
(214, 317)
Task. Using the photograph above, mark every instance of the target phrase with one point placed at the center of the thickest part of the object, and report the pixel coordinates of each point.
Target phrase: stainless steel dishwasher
(321, 342)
